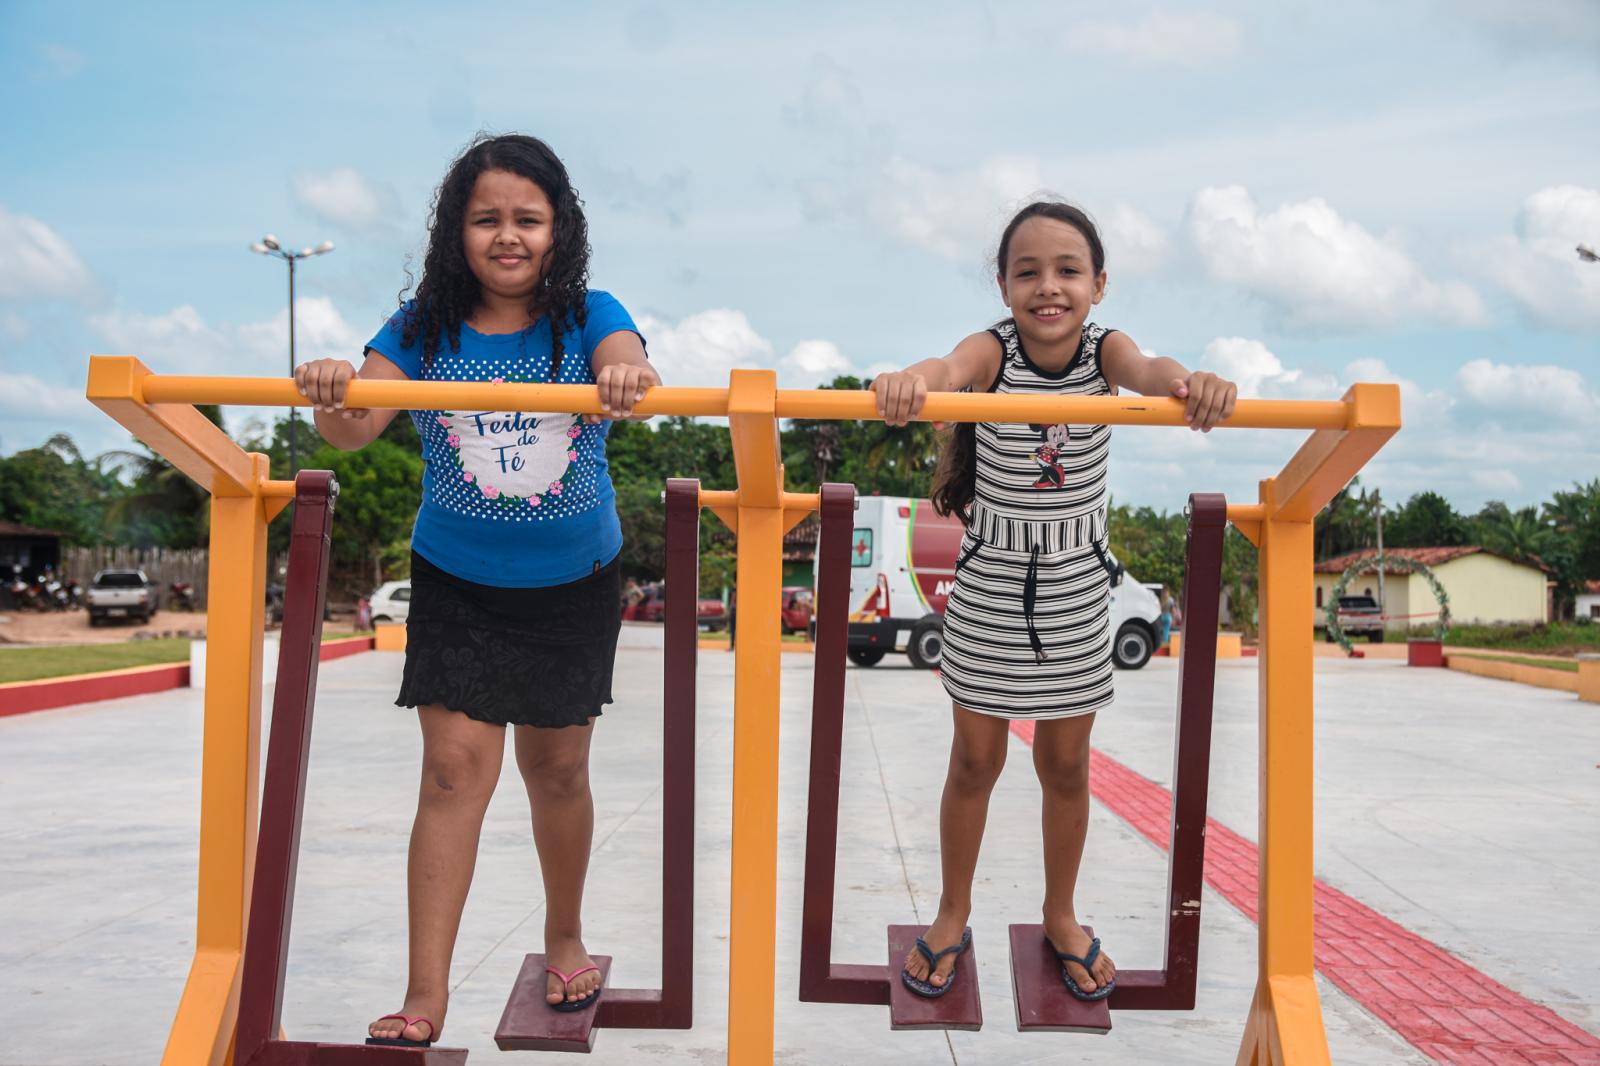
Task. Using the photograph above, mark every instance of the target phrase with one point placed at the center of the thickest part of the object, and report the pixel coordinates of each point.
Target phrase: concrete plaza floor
(1462, 808)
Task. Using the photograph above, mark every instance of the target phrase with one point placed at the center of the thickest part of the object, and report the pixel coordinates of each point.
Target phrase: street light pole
(269, 245)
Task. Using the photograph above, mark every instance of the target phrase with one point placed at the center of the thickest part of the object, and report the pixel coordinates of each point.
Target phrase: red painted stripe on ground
(1443, 1007)
(338, 649)
(49, 693)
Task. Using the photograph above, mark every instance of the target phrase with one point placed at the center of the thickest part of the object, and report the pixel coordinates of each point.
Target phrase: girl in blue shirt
(515, 591)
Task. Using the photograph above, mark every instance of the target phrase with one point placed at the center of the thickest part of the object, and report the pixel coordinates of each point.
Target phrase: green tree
(380, 488)
(54, 487)
(1426, 520)
(1521, 535)
(1149, 543)
(163, 506)
(1346, 523)
(1575, 516)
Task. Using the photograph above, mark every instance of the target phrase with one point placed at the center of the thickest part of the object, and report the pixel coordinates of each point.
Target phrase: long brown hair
(955, 482)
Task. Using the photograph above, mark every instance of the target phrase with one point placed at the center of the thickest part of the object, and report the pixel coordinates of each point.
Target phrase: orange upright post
(203, 1029)
(753, 910)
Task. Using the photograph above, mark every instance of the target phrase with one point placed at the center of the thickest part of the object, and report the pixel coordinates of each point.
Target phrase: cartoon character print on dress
(1048, 455)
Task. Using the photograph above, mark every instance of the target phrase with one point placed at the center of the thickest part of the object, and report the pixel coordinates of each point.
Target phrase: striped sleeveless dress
(1027, 628)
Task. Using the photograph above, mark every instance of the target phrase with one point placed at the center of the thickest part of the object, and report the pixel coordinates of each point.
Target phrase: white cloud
(13, 327)
(1316, 268)
(1194, 38)
(812, 363)
(343, 197)
(1541, 392)
(1540, 265)
(38, 262)
(701, 349)
(1134, 242)
(1261, 374)
(1490, 433)
(320, 331)
(25, 396)
(58, 62)
(1535, 25)
(960, 214)
(182, 342)
(956, 214)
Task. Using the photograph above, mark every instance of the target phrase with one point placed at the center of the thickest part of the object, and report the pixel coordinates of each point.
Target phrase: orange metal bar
(430, 395)
(1107, 410)
(184, 436)
(1331, 457)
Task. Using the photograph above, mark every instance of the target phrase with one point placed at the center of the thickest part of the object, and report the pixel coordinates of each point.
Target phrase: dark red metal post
(283, 790)
(527, 1022)
(1173, 986)
(821, 981)
(672, 1005)
(282, 800)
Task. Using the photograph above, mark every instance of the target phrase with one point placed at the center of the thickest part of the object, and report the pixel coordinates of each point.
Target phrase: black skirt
(512, 656)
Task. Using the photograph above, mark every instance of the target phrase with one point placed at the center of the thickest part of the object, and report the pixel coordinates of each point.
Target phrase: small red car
(710, 614)
(796, 608)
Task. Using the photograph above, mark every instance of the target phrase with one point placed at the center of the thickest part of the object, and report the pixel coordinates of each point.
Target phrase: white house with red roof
(1588, 602)
(1484, 587)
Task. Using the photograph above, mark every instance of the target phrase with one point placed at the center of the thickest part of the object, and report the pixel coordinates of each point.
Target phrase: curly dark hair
(955, 483)
(449, 291)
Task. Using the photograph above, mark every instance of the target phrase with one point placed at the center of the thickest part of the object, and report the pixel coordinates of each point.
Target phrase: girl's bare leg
(555, 768)
(977, 755)
(461, 760)
(1061, 759)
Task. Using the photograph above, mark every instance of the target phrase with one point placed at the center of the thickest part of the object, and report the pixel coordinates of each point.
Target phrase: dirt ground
(72, 627)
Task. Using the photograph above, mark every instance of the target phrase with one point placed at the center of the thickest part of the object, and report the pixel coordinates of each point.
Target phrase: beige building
(1484, 588)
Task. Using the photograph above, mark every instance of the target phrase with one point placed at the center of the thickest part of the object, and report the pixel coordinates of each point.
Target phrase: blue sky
(1297, 195)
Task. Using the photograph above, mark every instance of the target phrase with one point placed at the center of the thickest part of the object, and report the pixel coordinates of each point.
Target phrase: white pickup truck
(120, 594)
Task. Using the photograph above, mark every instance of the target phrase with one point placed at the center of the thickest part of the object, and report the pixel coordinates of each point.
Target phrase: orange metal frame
(1285, 1021)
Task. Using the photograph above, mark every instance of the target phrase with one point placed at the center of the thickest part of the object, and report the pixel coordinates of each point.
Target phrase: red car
(710, 614)
(796, 609)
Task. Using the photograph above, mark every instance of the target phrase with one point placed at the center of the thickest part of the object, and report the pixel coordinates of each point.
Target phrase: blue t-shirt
(509, 498)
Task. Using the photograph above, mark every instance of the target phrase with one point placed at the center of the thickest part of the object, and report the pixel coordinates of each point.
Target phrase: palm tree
(1520, 535)
(1346, 523)
(163, 504)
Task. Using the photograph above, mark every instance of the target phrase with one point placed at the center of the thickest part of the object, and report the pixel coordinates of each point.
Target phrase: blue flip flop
(932, 991)
(1087, 962)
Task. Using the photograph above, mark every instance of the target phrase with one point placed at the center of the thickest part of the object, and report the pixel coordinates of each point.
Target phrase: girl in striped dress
(1027, 626)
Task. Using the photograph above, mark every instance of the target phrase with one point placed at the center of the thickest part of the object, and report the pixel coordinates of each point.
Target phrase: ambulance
(902, 568)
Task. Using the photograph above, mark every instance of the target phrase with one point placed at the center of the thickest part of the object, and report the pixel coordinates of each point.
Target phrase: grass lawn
(33, 664)
(1557, 638)
(1571, 666)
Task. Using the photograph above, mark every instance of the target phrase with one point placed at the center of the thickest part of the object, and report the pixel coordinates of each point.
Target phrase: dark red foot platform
(1043, 1003)
(529, 1023)
(958, 1008)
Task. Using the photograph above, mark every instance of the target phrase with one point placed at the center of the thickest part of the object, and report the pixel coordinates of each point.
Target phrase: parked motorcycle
(182, 596)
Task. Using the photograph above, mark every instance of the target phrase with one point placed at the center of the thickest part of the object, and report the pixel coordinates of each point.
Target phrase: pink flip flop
(567, 979)
(400, 1041)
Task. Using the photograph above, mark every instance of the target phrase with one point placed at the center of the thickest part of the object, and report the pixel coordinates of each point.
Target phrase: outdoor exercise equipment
(1285, 1018)
(528, 1023)
(1042, 1003)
